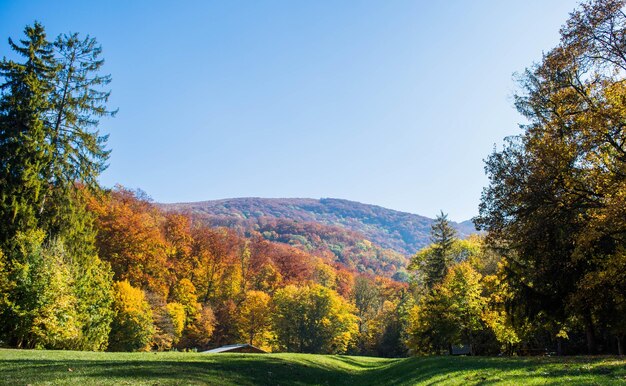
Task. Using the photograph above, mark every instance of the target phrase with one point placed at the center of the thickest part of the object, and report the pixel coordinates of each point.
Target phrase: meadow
(40, 367)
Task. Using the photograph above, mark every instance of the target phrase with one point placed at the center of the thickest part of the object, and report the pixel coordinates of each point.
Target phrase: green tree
(431, 263)
(555, 203)
(50, 104)
(49, 112)
(451, 314)
(24, 147)
(46, 300)
(38, 307)
(442, 236)
(93, 287)
(78, 102)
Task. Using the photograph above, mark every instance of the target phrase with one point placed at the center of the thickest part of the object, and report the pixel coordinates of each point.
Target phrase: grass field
(28, 367)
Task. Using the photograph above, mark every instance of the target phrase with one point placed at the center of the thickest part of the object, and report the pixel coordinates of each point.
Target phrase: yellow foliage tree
(254, 320)
(185, 294)
(495, 315)
(132, 326)
(313, 319)
(176, 311)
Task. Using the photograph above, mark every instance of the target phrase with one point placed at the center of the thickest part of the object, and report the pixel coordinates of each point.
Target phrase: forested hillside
(402, 232)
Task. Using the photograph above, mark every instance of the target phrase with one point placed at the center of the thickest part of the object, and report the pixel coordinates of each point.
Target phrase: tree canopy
(555, 202)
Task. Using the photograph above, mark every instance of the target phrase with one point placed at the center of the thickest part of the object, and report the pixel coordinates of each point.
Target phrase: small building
(460, 349)
(236, 348)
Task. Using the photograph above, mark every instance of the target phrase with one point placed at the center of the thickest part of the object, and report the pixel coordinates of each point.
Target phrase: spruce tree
(24, 147)
(442, 236)
(50, 108)
(50, 151)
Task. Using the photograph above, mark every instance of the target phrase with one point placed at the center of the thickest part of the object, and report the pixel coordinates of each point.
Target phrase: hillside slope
(402, 232)
(40, 367)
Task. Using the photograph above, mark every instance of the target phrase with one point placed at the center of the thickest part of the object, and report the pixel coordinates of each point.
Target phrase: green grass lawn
(23, 367)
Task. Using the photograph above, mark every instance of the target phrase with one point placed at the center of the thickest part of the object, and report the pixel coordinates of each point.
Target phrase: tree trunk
(591, 338)
(559, 346)
(620, 345)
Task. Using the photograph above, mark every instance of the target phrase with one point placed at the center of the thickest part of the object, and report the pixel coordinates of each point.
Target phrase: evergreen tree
(24, 147)
(50, 105)
(77, 102)
(442, 236)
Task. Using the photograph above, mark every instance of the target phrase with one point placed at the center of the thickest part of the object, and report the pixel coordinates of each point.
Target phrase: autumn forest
(540, 271)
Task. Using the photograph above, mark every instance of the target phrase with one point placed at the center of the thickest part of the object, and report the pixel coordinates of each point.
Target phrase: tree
(267, 279)
(325, 275)
(78, 151)
(78, 102)
(555, 204)
(39, 307)
(24, 145)
(199, 321)
(313, 319)
(367, 301)
(130, 239)
(50, 105)
(255, 318)
(93, 288)
(214, 251)
(169, 321)
(431, 263)
(450, 314)
(132, 326)
(49, 111)
(176, 312)
(442, 236)
(177, 230)
(199, 332)
(48, 301)
(185, 294)
(495, 315)
(462, 286)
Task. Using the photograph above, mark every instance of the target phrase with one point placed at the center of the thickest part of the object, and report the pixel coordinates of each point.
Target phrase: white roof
(225, 348)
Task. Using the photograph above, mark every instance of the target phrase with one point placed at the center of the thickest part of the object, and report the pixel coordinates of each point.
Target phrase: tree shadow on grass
(227, 371)
(360, 363)
(301, 370)
(488, 371)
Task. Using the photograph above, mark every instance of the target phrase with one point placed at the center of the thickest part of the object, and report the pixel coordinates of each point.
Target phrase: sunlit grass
(21, 367)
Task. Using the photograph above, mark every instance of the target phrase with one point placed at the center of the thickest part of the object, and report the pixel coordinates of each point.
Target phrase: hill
(402, 232)
(38, 367)
(361, 236)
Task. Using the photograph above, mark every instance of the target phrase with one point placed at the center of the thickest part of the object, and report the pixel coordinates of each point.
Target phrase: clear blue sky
(394, 103)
